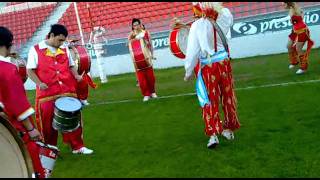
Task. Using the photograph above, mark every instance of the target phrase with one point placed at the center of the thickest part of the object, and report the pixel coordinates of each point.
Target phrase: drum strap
(201, 89)
(1, 107)
(215, 40)
(222, 36)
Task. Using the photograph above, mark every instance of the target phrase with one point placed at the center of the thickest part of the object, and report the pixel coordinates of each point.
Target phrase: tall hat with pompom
(196, 8)
(211, 9)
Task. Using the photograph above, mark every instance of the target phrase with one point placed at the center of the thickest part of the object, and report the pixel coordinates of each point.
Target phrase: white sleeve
(225, 21)
(71, 61)
(32, 62)
(193, 50)
(205, 36)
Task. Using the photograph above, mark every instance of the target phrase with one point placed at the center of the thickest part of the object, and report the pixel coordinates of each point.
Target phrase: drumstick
(83, 73)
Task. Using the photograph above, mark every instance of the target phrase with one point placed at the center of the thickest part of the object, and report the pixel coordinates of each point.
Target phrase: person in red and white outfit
(299, 36)
(83, 85)
(146, 78)
(214, 78)
(14, 102)
(51, 67)
(98, 40)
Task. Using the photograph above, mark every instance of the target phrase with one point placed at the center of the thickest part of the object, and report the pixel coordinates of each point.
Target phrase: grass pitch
(279, 134)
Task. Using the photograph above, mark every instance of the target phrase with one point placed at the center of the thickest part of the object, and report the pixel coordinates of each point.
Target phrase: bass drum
(81, 57)
(178, 41)
(140, 54)
(14, 157)
(21, 65)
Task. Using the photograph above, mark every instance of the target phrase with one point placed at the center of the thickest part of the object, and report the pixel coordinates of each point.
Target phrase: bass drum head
(183, 39)
(14, 157)
(75, 56)
(68, 104)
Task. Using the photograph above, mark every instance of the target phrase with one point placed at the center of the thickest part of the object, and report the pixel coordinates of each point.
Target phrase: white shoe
(291, 66)
(228, 134)
(213, 141)
(146, 98)
(85, 102)
(83, 150)
(154, 95)
(104, 81)
(300, 71)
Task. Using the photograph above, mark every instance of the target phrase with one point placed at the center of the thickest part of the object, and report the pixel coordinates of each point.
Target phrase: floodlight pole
(79, 23)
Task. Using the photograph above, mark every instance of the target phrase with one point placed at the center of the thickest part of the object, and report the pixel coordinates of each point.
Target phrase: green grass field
(279, 136)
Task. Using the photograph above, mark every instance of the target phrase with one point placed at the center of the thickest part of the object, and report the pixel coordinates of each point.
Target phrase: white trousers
(100, 61)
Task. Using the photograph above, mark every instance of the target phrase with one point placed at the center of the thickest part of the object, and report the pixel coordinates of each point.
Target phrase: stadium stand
(24, 23)
(116, 16)
(155, 15)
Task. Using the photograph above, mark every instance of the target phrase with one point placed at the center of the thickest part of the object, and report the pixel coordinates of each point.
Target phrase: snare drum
(178, 41)
(140, 54)
(21, 65)
(67, 114)
(81, 57)
(14, 156)
(48, 155)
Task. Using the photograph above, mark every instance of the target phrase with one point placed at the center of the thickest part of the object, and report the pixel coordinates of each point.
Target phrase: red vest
(55, 72)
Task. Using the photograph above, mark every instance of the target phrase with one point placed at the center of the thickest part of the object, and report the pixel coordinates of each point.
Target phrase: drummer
(146, 78)
(83, 85)
(51, 67)
(14, 102)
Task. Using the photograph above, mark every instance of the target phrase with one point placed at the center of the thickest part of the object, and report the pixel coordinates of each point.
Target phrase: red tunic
(300, 31)
(297, 22)
(12, 93)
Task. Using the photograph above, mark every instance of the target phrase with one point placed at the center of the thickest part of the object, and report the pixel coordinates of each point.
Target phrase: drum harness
(201, 90)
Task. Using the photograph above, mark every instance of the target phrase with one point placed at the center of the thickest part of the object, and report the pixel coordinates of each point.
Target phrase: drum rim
(55, 105)
(176, 40)
(61, 130)
(89, 60)
(55, 114)
(25, 152)
(78, 59)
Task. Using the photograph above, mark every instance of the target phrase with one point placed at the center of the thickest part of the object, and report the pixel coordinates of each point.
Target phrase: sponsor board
(266, 25)
(273, 24)
(122, 48)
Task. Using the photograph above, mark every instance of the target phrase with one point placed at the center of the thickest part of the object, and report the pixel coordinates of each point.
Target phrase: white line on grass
(191, 94)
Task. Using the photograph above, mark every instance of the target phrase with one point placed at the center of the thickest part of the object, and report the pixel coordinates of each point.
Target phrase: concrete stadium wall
(241, 47)
(260, 36)
(252, 38)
